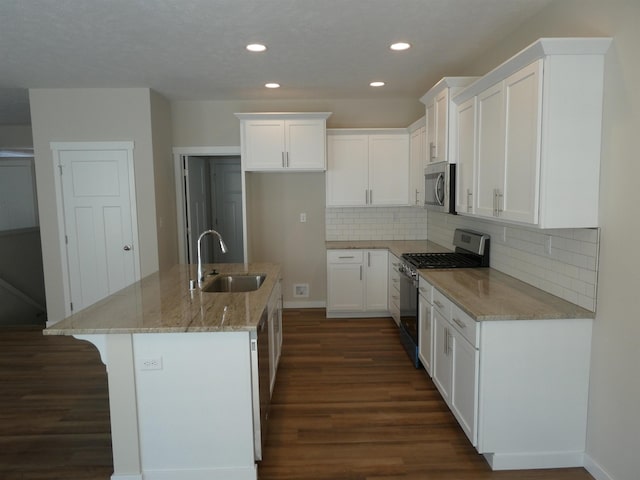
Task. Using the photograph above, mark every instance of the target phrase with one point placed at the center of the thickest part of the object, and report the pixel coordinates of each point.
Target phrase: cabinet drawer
(425, 289)
(464, 324)
(345, 256)
(441, 303)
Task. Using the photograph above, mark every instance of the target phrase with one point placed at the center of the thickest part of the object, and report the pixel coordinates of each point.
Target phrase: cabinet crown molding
(544, 47)
(282, 115)
(366, 131)
(446, 82)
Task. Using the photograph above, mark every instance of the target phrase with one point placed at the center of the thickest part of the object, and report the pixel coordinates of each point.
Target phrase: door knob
(126, 248)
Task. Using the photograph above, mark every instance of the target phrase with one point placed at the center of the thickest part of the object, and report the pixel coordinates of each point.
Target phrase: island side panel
(195, 405)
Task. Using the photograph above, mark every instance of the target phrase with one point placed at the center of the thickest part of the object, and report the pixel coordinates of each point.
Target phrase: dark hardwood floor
(346, 406)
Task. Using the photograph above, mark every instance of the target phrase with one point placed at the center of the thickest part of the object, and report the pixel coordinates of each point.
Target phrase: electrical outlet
(301, 290)
(303, 218)
(547, 245)
(151, 363)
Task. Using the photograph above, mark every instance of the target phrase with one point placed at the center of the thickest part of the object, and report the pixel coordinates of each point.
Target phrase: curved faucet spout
(223, 247)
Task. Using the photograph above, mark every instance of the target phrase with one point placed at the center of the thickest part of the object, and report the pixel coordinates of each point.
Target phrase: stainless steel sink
(240, 282)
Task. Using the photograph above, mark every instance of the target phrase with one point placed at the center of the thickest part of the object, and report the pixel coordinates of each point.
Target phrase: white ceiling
(194, 49)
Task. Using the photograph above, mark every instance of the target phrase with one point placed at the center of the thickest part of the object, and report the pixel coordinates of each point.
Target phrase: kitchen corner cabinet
(518, 388)
(283, 141)
(357, 283)
(417, 161)
(367, 167)
(440, 123)
(533, 152)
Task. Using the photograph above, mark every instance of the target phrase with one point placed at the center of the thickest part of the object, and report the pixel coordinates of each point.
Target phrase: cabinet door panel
(348, 159)
(417, 155)
(425, 334)
(431, 133)
(442, 118)
(464, 385)
(264, 144)
(377, 276)
(305, 142)
(442, 364)
(345, 287)
(522, 122)
(466, 149)
(490, 160)
(389, 169)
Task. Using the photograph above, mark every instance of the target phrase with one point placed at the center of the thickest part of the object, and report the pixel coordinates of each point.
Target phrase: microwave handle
(438, 188)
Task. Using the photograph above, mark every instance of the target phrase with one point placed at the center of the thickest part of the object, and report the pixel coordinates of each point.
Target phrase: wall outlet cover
(301, 290)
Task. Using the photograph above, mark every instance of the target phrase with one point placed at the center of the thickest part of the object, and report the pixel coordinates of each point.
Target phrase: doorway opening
(212, 186)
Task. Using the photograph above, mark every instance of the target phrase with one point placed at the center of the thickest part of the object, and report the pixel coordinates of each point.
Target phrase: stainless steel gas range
(471, 251)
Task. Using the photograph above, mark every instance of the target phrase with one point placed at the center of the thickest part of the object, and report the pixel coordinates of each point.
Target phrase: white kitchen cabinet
(442, 359)
(538, 133)
(518, 388)
(367, 168)
(394, 288)
(466, 161)
(417, 161)
(440, 123)
(283, 141)
(425, 325)
(357, 283)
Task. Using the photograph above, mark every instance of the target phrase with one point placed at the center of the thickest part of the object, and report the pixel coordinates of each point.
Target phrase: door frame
(56, 149)
(181, 198)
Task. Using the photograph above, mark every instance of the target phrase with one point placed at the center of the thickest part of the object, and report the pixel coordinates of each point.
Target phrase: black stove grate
(443, 260)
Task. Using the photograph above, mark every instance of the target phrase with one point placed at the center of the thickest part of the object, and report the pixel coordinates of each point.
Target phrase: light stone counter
(162, 303)
(487, 294)
(397, 247)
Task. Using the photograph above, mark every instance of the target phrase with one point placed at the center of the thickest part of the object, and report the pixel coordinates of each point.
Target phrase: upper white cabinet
(417, 161)
(283, 141)
(439, 121)
(367, 167)
(528, 146)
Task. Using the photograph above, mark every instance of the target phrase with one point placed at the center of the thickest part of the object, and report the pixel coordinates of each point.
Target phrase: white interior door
(99, 213)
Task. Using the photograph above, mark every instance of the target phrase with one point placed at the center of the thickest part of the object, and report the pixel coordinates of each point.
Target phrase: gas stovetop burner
(472, 250)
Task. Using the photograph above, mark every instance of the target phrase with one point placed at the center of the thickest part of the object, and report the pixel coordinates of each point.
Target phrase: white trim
(305, 304)
(534, 460)
(595, 469)
(56, 149)
(282, 115)
(178, 153)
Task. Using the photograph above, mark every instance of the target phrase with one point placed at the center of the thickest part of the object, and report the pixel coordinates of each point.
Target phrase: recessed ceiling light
(377, 84)
(272, 85)
(400, 46)
(256, 47)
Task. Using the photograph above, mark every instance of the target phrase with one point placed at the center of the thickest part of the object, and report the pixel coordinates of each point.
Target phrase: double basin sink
(237, 282)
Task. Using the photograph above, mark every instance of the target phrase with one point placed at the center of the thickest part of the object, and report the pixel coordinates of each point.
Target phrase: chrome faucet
(223, 247)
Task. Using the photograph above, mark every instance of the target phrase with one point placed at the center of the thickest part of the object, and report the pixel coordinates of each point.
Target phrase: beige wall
(16, 136)
(275, 200)
(613, 439)
(87, 115)
(164, 181)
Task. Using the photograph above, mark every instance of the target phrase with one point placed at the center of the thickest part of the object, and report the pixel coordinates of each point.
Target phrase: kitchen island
(182, 384)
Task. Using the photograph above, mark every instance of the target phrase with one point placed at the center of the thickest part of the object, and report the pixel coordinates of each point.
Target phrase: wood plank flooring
(346, 406)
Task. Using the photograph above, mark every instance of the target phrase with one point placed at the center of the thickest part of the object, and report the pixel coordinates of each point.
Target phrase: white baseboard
(305, 304)
(126, 477)
(527, 461)
(595, 470)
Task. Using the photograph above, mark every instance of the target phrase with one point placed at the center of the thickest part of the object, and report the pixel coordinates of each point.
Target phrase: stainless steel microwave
(439, 187)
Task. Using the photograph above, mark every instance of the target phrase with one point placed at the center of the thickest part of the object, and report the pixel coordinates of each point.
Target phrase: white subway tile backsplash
(568, 271)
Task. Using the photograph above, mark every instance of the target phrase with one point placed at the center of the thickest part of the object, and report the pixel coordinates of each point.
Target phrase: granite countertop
(487, 294)
(397, 247)
(163, 303)
(483, 293)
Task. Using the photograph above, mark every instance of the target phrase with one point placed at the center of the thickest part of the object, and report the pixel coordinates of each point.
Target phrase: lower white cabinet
(518, 388)
(357, 283)
(425, 325)
(394, 288)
